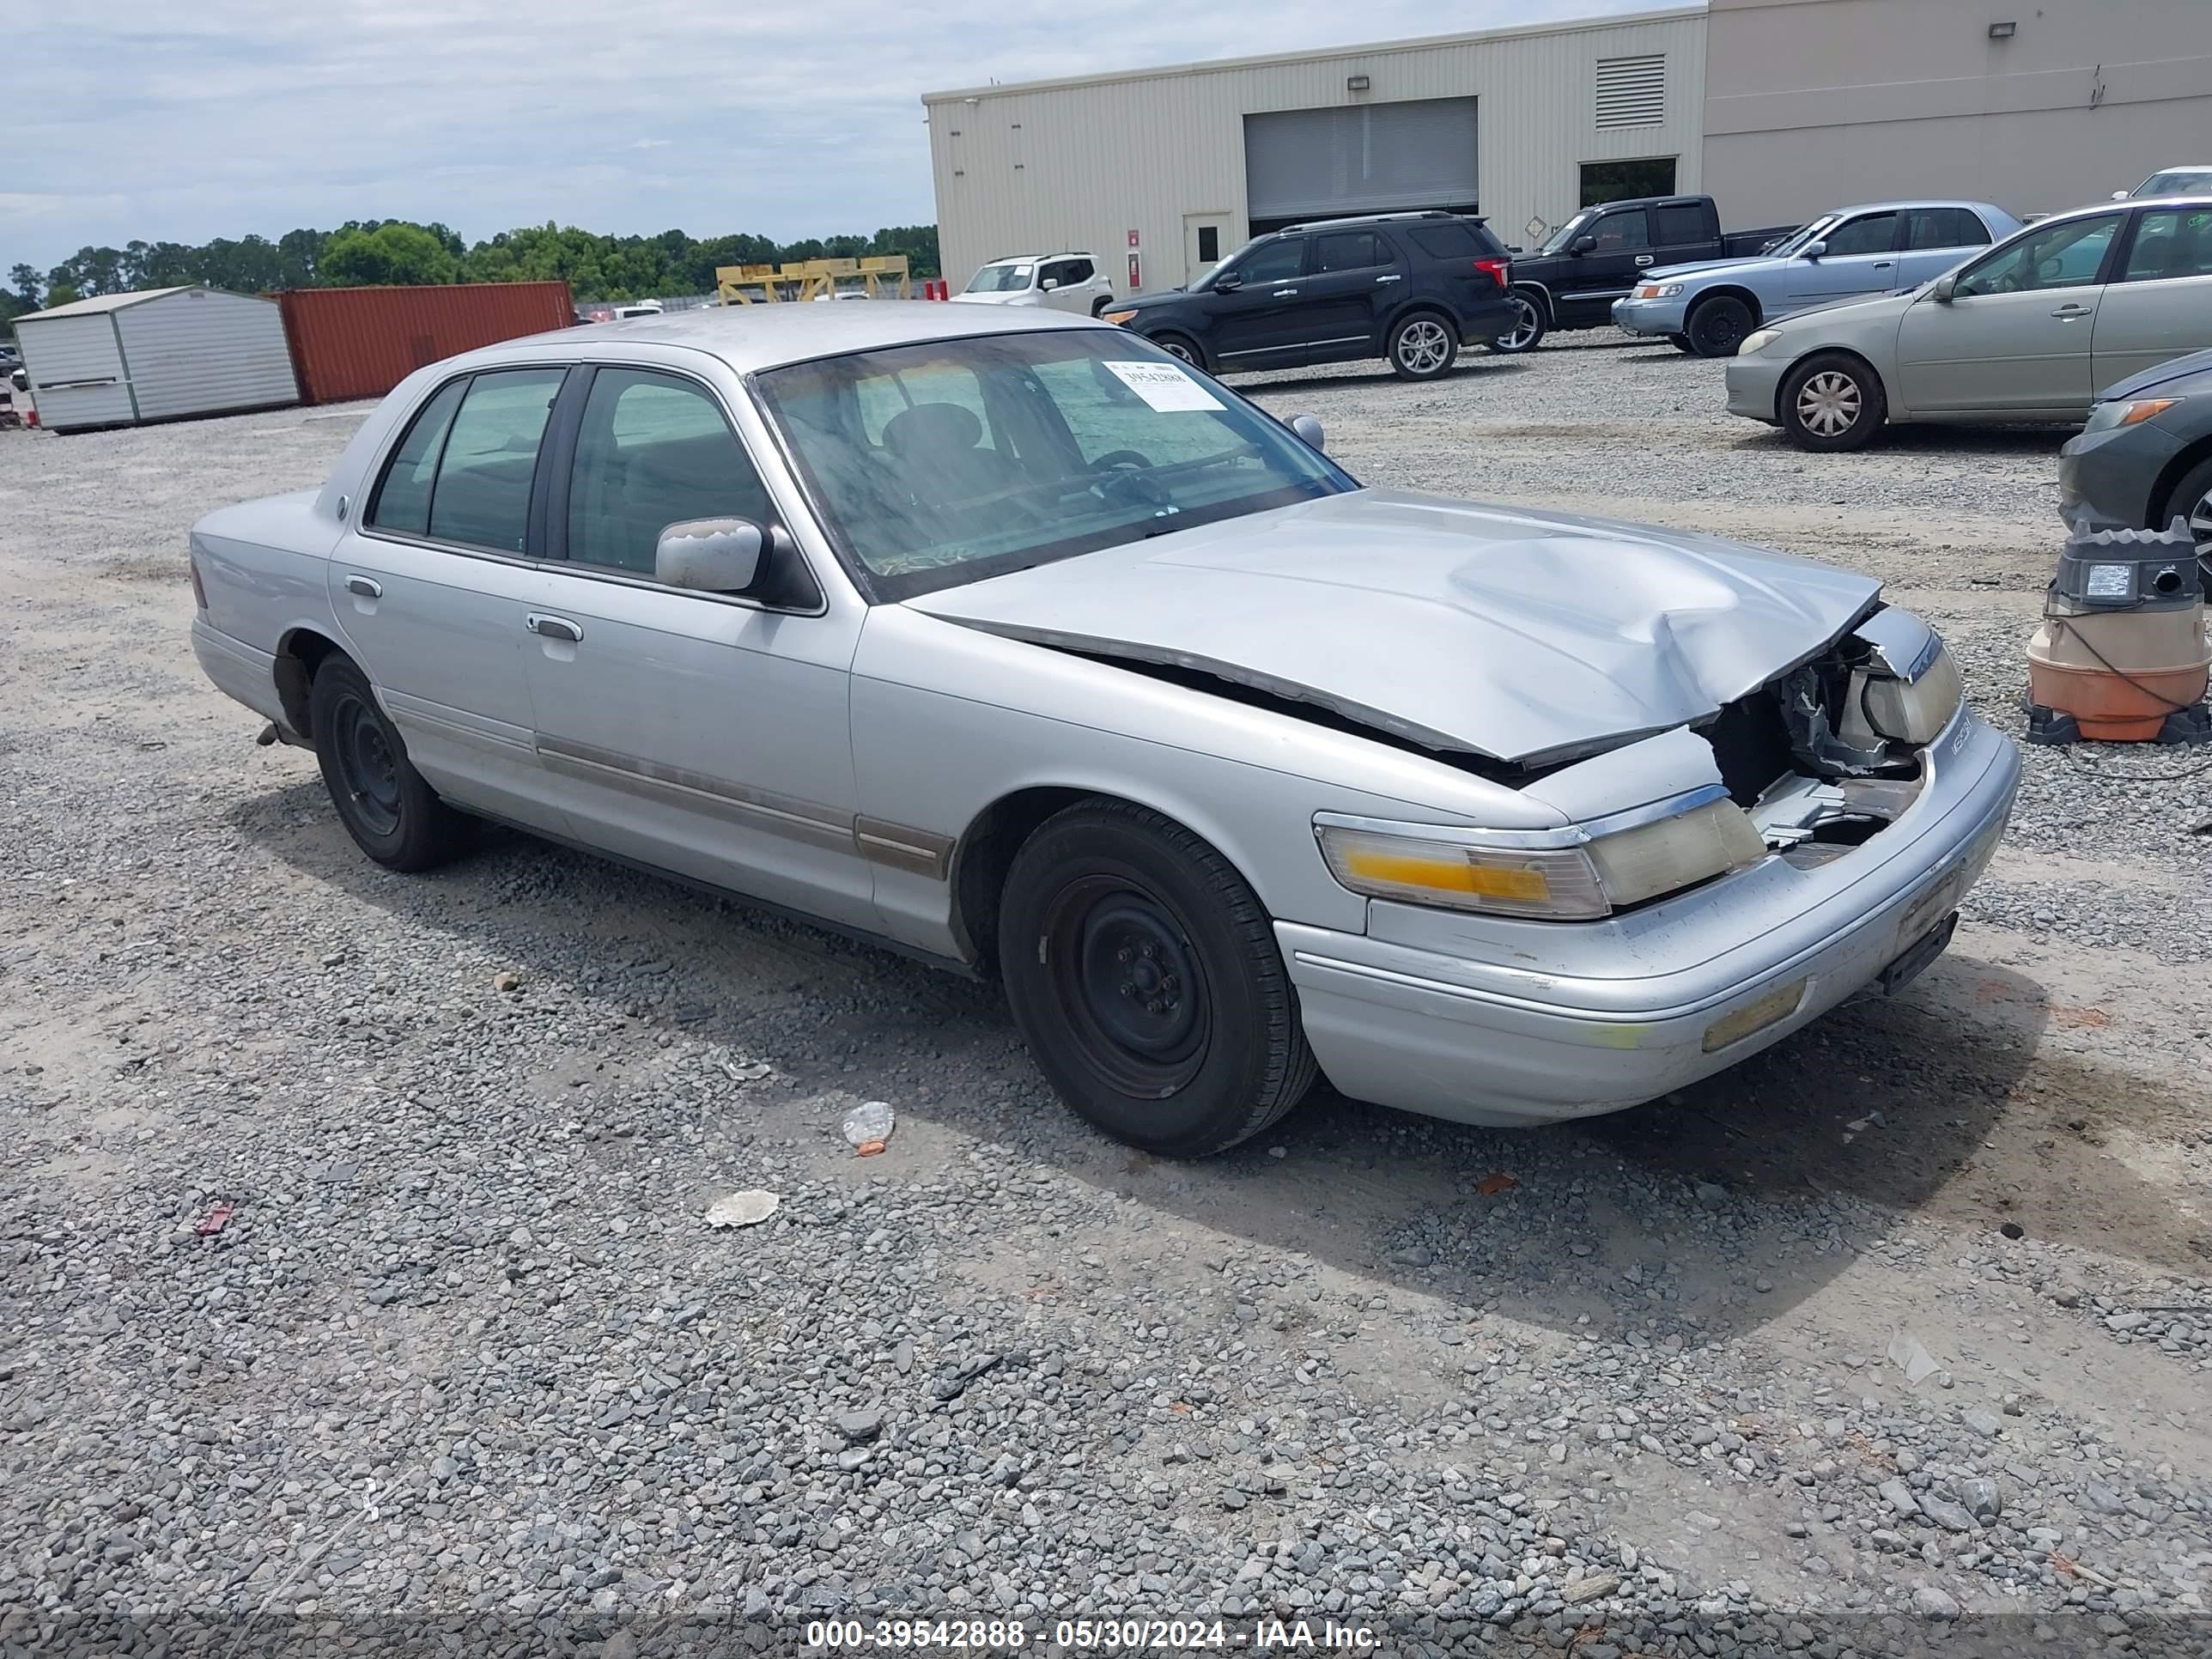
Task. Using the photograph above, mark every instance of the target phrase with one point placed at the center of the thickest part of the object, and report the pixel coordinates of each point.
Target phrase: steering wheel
(1120, 457)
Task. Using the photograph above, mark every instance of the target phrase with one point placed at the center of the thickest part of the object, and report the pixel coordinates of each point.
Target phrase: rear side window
(482, 498)
(1448, 241)
(1678, 225)
(2171, 242)
(1931, 227)
(1870, 232)
(1348, 250)
(403, 503)
(1617, 232)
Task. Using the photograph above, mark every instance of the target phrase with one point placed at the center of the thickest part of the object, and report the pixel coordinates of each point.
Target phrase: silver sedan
(2029, 332)
(1007, 640)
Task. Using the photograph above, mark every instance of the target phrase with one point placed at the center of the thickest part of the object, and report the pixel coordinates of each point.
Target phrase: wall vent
(1631, 92)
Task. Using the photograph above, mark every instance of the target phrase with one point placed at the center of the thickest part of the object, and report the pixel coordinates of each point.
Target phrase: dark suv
(1406, 287)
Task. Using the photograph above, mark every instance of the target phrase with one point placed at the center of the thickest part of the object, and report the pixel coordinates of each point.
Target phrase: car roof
(2124, 205)
(758, 337)
(1433, 214)
(1916, 202)
(1034, 258)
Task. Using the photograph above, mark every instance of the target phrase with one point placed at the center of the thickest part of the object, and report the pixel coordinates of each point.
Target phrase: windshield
(1802, 237)
(2183, 181)
(936, 465)
(1566, 234)
(999, 279)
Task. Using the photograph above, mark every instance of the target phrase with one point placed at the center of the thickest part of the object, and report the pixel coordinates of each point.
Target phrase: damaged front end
(1829, 755)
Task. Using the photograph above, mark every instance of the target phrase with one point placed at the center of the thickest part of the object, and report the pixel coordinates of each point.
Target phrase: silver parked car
(2030, 330)
(1845, 254)
(1004, 637)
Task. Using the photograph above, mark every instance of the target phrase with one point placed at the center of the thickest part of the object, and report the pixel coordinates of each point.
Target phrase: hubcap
(1828, 404)
(2200, 524)
(365, 762)
(1128, 984)
(1523, 332)
(1178, 349)
(1424, 347)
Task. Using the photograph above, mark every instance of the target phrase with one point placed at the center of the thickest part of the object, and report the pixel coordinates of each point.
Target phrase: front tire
(1681, 342)
(1832, 402)
(1718, 325)
(1183, 350)
(1422, 346)
(390, 811)
(2192, 500)
(1527, 332)
(1143, 973)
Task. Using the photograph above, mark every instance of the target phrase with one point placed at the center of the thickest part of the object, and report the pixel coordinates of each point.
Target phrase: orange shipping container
(351, 343)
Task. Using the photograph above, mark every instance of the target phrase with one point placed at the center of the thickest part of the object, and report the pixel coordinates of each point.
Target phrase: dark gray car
(2145, 458)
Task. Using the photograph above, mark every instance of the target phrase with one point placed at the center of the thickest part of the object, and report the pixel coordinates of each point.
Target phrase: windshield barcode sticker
(1163, 386)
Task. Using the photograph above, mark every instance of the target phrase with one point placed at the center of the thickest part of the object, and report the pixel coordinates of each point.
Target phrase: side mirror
(1310, 433)
(1228, 284)
(1815, 250)
(1050, 283)
(1583, 245)
(709, 556)
(2119, 196)
(1944, 288)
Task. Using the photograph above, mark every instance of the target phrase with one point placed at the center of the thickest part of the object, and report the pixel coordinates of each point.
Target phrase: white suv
(1065, 281)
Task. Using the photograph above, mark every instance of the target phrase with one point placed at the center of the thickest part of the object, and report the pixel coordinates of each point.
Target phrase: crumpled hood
(1522, 636)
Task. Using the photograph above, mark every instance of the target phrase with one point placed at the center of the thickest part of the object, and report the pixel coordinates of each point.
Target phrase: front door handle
(2068, 313)
(1883, 264)
(1283, 293)
(1379, 280)
(367, 588)
(1642, 259)
(553, 627)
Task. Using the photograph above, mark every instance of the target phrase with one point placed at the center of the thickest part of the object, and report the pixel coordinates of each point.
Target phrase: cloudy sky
(792, 117)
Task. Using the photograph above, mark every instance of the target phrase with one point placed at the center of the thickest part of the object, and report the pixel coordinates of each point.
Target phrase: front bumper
(1753, 383)
(2106, 478)
(1489, 1041)
(1651, 316)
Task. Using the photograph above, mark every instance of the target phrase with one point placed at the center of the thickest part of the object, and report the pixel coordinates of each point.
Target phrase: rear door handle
(365, 587)
(553, 627)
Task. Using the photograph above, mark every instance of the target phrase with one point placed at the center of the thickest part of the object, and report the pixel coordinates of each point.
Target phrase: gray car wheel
(2191, 501)
(1423, 346)
(1527, 332)
(1181, 349)
(1832, 402)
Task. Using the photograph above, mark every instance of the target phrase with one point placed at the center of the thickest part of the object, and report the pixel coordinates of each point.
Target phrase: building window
(1631, 92)
(1613, 181)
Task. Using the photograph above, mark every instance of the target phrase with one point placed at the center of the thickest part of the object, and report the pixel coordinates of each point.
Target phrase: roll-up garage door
(1371, 158)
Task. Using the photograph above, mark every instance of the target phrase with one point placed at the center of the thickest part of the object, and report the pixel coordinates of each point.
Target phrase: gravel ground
(1761, 1368)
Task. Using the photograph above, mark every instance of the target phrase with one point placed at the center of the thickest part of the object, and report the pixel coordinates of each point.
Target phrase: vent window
(1631, 92)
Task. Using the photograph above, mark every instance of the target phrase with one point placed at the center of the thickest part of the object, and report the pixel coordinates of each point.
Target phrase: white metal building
(158, 355)
(1162, 172)
(1779, 108)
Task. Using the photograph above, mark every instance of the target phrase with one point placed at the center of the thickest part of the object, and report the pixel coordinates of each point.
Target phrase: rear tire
(1527, 332)
(1830, 402)
(1718, 325)
(1101, 303)
(1143, 975)
(1422, 346)
(390, 811)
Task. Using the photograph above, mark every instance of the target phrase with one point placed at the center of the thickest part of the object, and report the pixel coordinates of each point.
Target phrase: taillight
(1494, 269)
(199, 593)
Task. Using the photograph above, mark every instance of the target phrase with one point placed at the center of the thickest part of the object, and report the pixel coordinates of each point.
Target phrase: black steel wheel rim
(1128, 984)
(1723, 327)
(366, 765)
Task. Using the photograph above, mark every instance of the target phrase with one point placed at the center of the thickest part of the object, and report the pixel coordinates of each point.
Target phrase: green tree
(28, 285)
(392, 255)
(61, 294)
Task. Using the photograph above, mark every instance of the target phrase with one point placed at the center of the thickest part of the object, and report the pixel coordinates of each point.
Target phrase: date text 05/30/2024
(1092, 1635)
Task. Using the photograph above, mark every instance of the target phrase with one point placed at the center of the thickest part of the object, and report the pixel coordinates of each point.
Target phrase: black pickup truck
(1598, 255)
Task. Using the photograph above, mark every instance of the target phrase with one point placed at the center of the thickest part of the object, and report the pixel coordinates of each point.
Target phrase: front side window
(2067, 254)
(936, 465)
(653, 450)
(403, 502)
(1619, 233)
(1870, 232)
(1348, 250)
(1271, 262)
(2171, 242)
(1001, 279)
(481, 496)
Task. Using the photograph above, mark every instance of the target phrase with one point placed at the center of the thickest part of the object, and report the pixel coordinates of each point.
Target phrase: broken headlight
(1915, 711)
(1575, 873)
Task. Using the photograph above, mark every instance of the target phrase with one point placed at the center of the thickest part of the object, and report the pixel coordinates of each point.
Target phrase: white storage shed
(158, 355)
